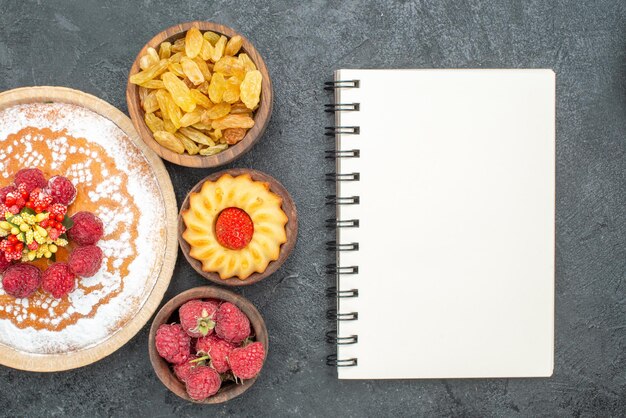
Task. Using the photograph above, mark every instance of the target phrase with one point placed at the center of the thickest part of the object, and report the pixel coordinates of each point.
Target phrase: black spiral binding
(332, 269)
(332, 338)
(333, 361)
(343, 177)
(342, 200)
(343, 130)
(332, 292)
(345, 84)
(342, 107)
(333, 315)
(335, 246)
(333, 155)
(342, 223)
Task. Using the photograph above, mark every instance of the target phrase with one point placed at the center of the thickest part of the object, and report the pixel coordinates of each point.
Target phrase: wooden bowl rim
(65, 361)
(162, 368)
(291, 228)
(261, 116)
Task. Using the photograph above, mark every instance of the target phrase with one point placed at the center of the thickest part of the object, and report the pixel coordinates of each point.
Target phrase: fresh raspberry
(173, 344)
(246, 362)
(4, 262)
(234, 228)
(58, 280)
(22, 190)
(231, 325)
(62, 190)
(57, 211)
(196, 317)
(12, 248)
(202, 382)
(11, 198)
(5, 191)
(32, 178)
(182, 370)
(55, 233)
(86, 261)
(87, 229)
(21, 280)
(217, 350)
(40, 200)
(20, 202)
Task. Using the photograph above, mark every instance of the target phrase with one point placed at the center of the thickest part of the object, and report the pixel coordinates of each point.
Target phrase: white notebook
(455, 204)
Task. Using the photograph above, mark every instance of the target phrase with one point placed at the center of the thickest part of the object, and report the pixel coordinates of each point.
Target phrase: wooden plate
(285, 250)
(261, 116)
(161, 268)
(169, 314)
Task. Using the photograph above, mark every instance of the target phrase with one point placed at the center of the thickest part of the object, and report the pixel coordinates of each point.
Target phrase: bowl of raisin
(199, 94)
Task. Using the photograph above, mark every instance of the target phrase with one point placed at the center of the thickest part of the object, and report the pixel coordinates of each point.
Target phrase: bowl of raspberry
(208, 345)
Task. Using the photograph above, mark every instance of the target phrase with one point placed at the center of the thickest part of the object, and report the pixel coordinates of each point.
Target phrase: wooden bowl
(261, 115)
(169, 314)
(291, 227)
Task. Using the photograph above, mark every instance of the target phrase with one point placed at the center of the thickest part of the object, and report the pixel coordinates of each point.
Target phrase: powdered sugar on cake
(116, 183)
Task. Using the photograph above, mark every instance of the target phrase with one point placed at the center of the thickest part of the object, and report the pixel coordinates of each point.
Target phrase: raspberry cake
(115, 180)
(235, 226)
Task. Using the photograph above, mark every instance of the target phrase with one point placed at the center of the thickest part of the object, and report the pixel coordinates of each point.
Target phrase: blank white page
(456, 235)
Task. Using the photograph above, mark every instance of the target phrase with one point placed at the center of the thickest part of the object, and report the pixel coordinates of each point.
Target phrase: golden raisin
(191, 147)
(219, 49)
(150, 104)
(246, 62)
(204, 87)
(200, 99)
(178, 45)
(231, 93)
(179, 91)
(218, 111)
(233, 121)
(153, 84)
(251, 89)
(169, 126)
(213, 150)
(176, 57)
(234, 135)
(229, 66)
(176, 68)
(143, 93)
(191, 70)
(165, 50)
(169, 108)
(212, 37)
(190, 118)
(217, 87)
(197, 136)
(203, 67)
(234, 45)
(239, 108)
(169, 141)
(149, 73)
(193, 42)
(206, 52)
(154, 122)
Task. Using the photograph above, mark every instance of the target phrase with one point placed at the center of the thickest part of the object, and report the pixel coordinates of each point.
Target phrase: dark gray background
(89, 45)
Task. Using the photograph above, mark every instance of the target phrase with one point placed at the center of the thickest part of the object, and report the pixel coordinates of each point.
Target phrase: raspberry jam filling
(234, 228)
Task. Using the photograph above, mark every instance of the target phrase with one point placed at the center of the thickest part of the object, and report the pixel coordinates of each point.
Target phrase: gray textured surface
(89, 45)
